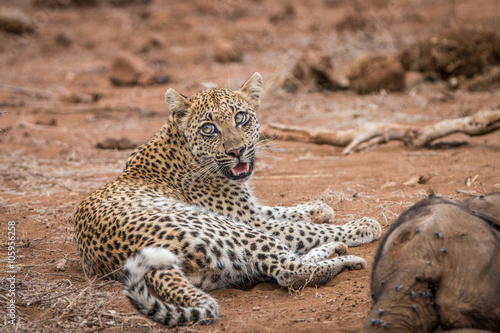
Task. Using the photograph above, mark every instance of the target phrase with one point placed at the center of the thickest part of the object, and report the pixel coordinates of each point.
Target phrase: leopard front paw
(317, 212)
(362, 231)
(352, 262)
(336, 249)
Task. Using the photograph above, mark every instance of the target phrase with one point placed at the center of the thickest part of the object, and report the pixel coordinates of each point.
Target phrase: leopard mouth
(240, 171)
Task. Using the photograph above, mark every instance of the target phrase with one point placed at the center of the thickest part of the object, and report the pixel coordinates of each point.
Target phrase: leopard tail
(182, 305)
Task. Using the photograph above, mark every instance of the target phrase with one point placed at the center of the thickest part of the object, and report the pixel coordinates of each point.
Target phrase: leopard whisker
(267, 143)
(204, 172)
(198, 171)
(209, 171)
(265, 150)
(266, 138)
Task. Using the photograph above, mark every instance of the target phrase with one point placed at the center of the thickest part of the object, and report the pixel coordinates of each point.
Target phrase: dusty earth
(49, 160)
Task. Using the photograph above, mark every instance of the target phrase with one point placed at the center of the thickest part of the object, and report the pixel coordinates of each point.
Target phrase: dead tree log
(371, 134)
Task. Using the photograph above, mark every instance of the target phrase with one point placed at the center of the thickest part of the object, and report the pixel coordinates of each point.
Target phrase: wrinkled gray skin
(438, 269)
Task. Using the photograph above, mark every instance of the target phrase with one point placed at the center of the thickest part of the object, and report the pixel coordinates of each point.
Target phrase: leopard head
(221, 128)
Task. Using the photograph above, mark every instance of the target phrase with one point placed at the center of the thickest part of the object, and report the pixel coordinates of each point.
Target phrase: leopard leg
(182, 303)
(274, 259)
(361, 231)
(314, 212)
(323, 252)
(301, 237)
(296, 274)
(324, 271)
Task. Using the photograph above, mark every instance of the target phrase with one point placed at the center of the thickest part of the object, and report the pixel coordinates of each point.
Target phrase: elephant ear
(252, 90)
(486, 207)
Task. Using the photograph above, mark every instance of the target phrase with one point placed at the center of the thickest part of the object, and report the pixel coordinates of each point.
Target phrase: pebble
(126, 69)
(16, 22)
(121, 144)
(226, 52)
(64, 38)
(378, 73)
(61, 265)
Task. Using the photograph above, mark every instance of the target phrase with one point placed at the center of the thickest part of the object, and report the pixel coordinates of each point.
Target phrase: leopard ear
(252, 89)
(178, 104)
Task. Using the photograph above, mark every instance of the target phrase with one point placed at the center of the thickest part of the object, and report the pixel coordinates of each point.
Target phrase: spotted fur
(182, 220)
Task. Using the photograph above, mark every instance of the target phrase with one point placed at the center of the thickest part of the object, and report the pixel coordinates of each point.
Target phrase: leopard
(181, 219)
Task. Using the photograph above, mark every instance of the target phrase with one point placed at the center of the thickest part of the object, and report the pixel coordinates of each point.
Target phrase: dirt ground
(49, 161)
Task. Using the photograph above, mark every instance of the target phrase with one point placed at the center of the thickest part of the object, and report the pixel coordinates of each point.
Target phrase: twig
(82, 287)
(37, 93)
(372, 134)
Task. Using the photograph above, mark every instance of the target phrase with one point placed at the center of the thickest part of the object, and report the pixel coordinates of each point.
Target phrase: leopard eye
(208, 129)
(240, 118)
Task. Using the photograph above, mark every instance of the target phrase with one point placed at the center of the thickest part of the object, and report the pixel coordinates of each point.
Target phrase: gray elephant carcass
(438, 268)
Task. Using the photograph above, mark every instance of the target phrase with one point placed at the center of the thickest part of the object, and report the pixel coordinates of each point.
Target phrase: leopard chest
(233, 201)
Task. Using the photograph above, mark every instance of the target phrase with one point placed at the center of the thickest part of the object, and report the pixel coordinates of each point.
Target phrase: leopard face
(221, 128)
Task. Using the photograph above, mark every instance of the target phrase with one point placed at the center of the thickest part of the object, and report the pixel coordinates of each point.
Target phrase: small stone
(414, 308)
(60, 4)
(126, 69)
(123, 3)
(121, 144)
(377, 73)
(421, 180)
(47, 122)
(398, 288)
(444, 250)
(256, 308)
(313, 71)
(154, 42)
(226, 52)
(65, 95)
(389, 184)
(80, 97)
(453, 81)
(412, 181)
(16, 22)
(439, 235)
(61, 265)
(64, 39)
(351, 23)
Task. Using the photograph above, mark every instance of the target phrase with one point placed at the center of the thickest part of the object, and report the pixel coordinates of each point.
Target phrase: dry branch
(371, 134)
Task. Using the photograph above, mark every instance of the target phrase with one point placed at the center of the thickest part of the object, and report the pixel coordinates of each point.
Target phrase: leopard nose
(236, 152)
